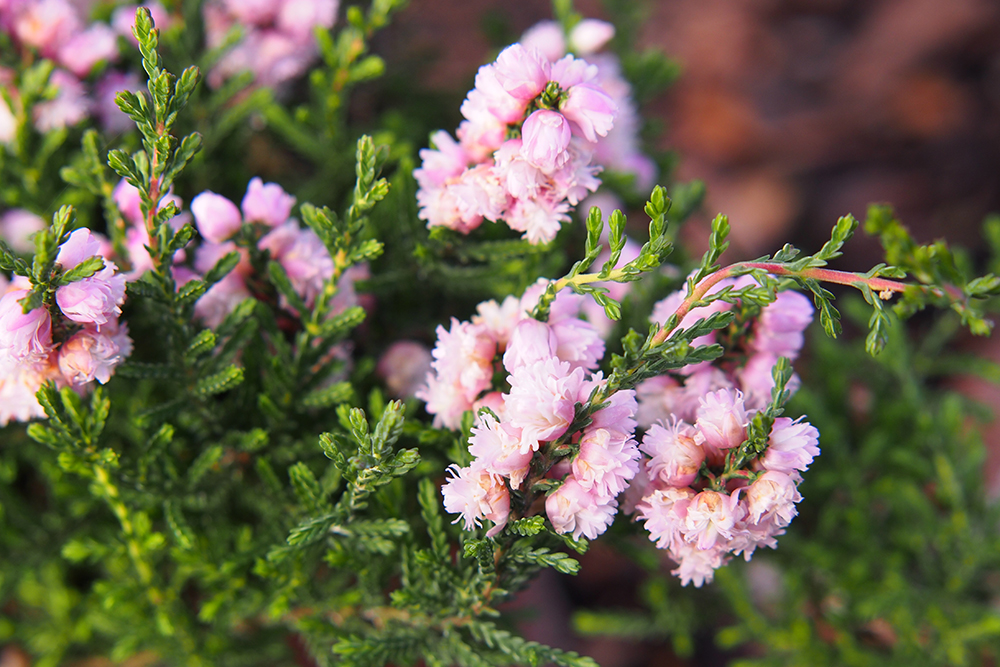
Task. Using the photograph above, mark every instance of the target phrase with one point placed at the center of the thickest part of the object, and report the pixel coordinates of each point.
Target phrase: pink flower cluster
(549, 367)
(777, 332)
(620, 148)
(267, 208)
(74, 344)
(700, 520)
(277, 41)
(58, 30)
(525, 150)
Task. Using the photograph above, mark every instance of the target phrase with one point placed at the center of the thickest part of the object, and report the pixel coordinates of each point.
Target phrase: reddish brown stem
(880, 285)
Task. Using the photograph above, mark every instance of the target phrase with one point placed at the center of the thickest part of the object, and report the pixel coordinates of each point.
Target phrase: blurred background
(793, 112)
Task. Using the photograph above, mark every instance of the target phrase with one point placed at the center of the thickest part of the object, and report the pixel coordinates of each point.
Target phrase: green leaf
(306, 486)
(219, 382)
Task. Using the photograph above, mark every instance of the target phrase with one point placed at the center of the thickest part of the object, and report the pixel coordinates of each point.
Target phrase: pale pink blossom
(476, 495)
(756, 379)
(87, 356)
(25, 338)
(94, 300)
(590, 110)
(607, 460)
(523, 73)
(540, 220)
(773, 494)
(542, 399)
(302, 17)
(86, 48)
(573, 509)
(578, 342)
(499, 320)
(531, 341)
(267, 203)
(696, 565)
(106, 109)
(403, 367)
(496, 447)
(779, 329)
(69, 106)
(46, 24)
(722, 420)
(18, 226)
(589, 36)
(792, 446)
(545, 137)
(675, 452)
(221, 299)
(547, 37)
(303, 256)
(710, 518)
(216, 217)
(664, 512)
(18, 388)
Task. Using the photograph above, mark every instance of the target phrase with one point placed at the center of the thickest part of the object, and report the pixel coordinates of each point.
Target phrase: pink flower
(216, 217)
(403, 367)
(606, 462)
(96, 299)
(695, 565)
(590, 35)
(302, 17)
(545, 137)
(18, 388)
(46, 24)
(446, 160)
(497, 449)
(499, 320)
(539, 220)
(675, 451)
(303, 256)
(530, 342)
(710, 519)
(81, 52)
(578, 342)
(89, 355)
(590, 110)
(542, 400)
(664, 511)
(779, 330)
(266, 203)
(221, 299)
(792, 446)
(574, 509)
(106, 110)
(523, 73)
(722, 420)
(547, 38)
(254, 12)
(93, 300)
(475, 495)
(773, 494)
(757, 380)
(25, 338)
(81, 245)
(18, 226)
(70, 105)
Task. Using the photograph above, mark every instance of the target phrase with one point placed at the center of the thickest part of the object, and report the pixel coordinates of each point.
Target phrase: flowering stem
(884, 287)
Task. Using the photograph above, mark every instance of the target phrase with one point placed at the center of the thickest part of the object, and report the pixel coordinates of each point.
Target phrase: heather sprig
(153, 170)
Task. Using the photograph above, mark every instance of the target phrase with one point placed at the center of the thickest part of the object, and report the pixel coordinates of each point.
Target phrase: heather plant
(341, 415)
